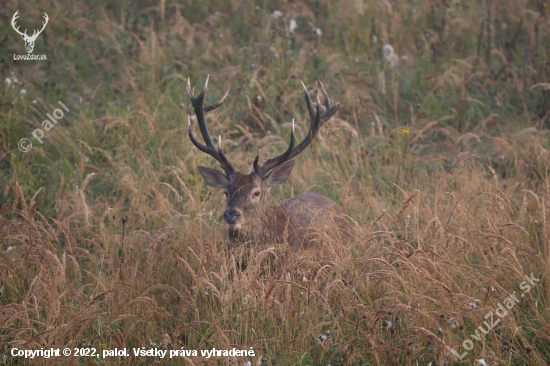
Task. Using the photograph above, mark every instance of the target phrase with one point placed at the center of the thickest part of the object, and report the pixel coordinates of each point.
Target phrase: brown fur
(305, 221)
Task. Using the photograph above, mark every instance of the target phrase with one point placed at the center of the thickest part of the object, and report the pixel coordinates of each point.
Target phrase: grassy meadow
(109, 237)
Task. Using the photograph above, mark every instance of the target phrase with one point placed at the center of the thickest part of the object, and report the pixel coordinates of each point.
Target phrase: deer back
(313, 220)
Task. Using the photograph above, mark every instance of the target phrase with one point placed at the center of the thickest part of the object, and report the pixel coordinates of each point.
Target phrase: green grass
(461, 123)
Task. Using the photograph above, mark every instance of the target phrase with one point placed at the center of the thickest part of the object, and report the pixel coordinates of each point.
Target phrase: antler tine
(330, 110)
(195, 142)
(255, 164)
(315, 115)
(217, 104)
(313, 128)
(272, 163)
(14, 25)
(308, 101)
(199, 112)
(209, 148)
(13, 19)
(46, 18)
(37, 32)
(188, 87)
(212, 106)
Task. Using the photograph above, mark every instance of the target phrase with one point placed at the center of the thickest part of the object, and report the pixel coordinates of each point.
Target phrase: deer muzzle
(233, 217)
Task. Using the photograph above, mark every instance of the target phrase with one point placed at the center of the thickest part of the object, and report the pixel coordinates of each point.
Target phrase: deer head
(247, 194)
(29, 40)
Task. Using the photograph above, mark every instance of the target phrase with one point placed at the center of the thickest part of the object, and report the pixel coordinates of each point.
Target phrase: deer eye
(257, 194)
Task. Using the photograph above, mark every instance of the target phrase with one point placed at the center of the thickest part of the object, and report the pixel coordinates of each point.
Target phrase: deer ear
(280, 174)
(213, 178)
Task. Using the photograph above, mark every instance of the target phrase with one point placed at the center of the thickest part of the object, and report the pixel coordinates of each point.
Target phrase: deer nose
(232, 215)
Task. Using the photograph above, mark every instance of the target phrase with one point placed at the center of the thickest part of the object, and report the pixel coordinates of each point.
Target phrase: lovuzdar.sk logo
(29, 40)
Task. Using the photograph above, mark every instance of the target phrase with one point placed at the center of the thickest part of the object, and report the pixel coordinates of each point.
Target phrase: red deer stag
(302, 221)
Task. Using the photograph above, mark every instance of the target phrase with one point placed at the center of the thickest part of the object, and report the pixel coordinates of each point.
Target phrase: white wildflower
(389, 55)
(292, 26)
(276, 14)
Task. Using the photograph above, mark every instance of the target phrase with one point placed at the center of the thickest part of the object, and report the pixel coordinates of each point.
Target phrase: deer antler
(13, 24)
(209, 148)
(35, 34)
(316, 118)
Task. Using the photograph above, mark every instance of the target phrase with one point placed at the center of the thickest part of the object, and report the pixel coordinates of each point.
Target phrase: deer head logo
(29, 40)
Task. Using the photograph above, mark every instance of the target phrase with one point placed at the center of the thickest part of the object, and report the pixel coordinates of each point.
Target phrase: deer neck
(275, 222)
(272, 227)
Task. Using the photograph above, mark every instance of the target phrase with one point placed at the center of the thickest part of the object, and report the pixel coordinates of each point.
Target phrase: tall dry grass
(109, 237)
